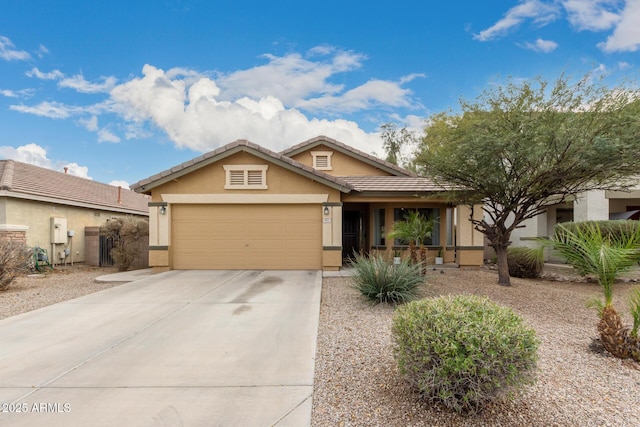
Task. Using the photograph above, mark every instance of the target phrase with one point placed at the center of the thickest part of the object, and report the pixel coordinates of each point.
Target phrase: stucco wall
(342, 165)
(211, 180)
(37, 217)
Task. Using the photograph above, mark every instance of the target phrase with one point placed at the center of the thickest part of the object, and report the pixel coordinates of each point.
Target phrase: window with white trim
(245, 177)
(322, 160)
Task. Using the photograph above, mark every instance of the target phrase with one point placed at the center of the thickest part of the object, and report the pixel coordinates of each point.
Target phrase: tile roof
(393, 184)
(35, 183)
(320, 140)
(147, 184)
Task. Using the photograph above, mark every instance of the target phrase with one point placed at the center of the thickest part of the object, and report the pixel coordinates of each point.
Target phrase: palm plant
(589, 251)
(414, 229)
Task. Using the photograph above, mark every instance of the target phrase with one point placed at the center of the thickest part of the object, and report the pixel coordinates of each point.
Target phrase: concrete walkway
(181, 348)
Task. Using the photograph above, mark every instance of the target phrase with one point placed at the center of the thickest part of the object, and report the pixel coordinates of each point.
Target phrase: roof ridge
(323, 138)
(241, 143)
(32, 181)
(6, 180)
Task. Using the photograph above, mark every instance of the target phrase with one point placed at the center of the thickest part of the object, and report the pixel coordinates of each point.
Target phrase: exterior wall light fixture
(326, 210)
(163, 210)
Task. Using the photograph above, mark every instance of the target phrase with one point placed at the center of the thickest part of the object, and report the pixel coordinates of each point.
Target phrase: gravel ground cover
(356, 379)
(34, 291)
(357, 382)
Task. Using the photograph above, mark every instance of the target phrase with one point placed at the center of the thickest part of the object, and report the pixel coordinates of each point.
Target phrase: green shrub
(14, 260)
(128, 236)
(525, 263)
(379, 281)
(611, 228)
(634, 307)
(463, 351)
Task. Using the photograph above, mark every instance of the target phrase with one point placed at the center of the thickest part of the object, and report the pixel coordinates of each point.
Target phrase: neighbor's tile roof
(33, 182)
(393, 184)
(324, 140)
(200, 161)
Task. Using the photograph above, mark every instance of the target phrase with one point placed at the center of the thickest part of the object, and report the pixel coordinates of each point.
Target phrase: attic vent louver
(246, 177)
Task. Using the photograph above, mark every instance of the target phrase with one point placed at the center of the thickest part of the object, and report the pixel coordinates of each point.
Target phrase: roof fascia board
(15, 195)
(240, 148)
(347, 152)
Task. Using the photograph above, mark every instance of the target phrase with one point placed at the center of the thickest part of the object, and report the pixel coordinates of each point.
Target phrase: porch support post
(331, 235)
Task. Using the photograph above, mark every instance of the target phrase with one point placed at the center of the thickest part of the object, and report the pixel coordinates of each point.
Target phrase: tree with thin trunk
(398, 143)
(526, 145)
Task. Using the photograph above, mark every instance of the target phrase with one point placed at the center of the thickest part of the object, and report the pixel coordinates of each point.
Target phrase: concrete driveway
(181, 348)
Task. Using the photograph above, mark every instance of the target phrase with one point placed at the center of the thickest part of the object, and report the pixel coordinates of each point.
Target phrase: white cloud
(34, 154)
(8, 53)
(290, 78)
(120, 183)
(626, 36)
(42, 50)
(592, 15)
(272, 104)
(79, 83)
(77, 170)
(52, 110)
(541, 45)
(52, 75)
(30, 153)
(539, 12)
(621, 16)
(372, 94)
(22, 93)
(91, 124)
(202, 117)
(106, 136)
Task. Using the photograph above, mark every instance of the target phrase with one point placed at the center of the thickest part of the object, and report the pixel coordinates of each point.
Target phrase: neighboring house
(593, 205)
(54, 210)
(309, 207)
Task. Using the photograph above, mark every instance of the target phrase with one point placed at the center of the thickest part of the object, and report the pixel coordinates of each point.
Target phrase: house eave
(330, 143)
(94, 206)
(146, 188)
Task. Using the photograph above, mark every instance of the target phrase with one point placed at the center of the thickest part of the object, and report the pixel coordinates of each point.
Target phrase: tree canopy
(523, 146)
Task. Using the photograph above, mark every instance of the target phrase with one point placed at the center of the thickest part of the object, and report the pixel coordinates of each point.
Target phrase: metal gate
(106, 244)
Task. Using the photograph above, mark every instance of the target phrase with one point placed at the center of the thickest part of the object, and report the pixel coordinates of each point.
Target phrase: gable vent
(236, 177)
(322, 160)
(245, 177)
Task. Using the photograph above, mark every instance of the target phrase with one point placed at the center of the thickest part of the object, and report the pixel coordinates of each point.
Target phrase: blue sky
(120, 90)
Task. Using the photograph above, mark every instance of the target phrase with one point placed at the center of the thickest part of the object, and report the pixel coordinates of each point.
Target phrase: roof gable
(349, 151)
(22, 180)
(146, 185)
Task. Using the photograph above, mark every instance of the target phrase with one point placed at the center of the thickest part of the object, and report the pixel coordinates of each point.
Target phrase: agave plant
(606, 257)
(414, 229)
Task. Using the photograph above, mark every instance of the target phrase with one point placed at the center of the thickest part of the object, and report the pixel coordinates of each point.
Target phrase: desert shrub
(15, 258)
(614, 232)
(526, 263)
(380, 281)
(634, 307)
(463, 351)
(611, 228)
(127, 234)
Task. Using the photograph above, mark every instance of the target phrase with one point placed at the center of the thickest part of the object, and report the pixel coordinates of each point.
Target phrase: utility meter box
(58, 230)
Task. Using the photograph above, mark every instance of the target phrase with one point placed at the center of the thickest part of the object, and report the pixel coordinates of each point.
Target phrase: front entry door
(351, 230)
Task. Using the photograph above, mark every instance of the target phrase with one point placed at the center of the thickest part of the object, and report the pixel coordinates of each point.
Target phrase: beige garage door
(246, 237)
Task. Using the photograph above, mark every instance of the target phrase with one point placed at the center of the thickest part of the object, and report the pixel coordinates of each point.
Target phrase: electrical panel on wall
(58, 230)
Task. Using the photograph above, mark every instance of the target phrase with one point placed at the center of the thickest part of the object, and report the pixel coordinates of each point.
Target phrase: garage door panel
(246, 237)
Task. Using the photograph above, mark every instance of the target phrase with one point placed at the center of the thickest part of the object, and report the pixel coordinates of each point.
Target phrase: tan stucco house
(56, 211)
(311, 206)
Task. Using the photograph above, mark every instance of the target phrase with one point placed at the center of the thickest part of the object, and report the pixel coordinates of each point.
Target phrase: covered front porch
(366, 225)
